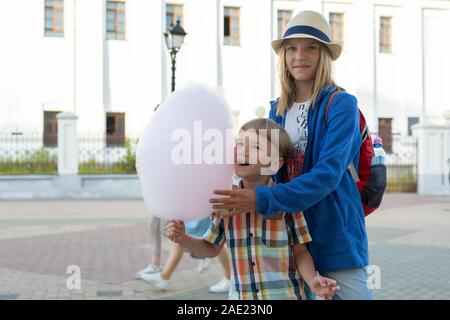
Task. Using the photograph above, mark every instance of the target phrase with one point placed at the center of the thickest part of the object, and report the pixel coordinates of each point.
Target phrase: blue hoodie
(326, 191)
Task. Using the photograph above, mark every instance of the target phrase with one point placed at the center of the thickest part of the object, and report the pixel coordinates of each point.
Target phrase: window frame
(337, 37)
(385, 38)
(50, 139)
(54, 31)
(116, 33)
(281, 28)
(117, 138)
(411, 122)
(174, 14)
(232, 39)
(385, 132)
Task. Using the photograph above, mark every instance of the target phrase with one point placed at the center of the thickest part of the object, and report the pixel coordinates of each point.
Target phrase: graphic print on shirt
(302, 129)
(297, 128)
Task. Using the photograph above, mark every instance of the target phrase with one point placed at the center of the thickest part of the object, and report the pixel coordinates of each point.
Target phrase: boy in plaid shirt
(269, 256)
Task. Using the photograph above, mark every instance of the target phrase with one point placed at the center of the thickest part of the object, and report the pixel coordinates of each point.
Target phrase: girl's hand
(323, 287)
(238, 201)
(222, 213)
(176, 231)
(218, 214)
(276, 216)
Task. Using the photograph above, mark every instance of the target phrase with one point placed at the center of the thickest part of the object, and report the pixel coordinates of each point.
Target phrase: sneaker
(203, 265)
(150, 269)
(223, 286)
(156, 280)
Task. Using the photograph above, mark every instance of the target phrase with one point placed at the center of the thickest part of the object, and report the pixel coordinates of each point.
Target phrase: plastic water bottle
(379, 155)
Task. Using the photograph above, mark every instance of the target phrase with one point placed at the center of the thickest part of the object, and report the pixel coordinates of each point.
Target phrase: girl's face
(302, 59)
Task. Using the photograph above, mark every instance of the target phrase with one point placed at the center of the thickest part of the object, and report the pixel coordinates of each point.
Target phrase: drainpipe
(219, 14)
(164, 89)
(74, 73)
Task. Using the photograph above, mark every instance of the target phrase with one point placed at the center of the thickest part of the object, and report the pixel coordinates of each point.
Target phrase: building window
(337, 27)
(283, 18)
(115, 19)
(115, 129)
(50, 128)
(54, 18)
(174, 12)
(385, 132)
(231, 21)
(386, 34)
(412, 121)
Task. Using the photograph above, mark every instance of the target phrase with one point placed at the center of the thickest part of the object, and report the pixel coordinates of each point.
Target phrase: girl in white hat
(326, 143)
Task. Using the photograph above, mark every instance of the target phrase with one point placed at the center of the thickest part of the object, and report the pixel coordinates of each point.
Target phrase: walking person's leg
(155, 247)
(175, 255)
(155, 227)
(225, 262)
(203, 263)
(161, 279)
(223, 285)
(197, 228)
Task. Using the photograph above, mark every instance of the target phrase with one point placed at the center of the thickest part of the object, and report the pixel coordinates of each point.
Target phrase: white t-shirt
(296, 124)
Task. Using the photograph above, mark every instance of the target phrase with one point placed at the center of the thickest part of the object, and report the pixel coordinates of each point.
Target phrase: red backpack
(370, 179)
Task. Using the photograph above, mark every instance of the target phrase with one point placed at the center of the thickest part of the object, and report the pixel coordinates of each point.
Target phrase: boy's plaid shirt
(261, 254)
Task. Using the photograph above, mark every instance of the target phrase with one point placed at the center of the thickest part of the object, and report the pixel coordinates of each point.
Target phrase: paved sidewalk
(409, 242)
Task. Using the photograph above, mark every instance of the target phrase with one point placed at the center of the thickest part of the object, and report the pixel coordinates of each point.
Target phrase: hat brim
(335, 48)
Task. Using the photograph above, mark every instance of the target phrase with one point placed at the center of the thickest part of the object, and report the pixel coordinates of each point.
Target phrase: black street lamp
(174, 39)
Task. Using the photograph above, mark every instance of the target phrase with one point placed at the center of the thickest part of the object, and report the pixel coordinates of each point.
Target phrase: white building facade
(100, 59)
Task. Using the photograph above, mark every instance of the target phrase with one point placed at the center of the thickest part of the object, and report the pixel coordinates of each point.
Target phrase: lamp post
(174, 39)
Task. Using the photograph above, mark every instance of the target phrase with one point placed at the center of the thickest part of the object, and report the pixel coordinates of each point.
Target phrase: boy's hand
(176, 231)
(323, 287)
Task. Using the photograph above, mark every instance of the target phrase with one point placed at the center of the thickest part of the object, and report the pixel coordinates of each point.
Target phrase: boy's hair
(287, 83)
(284, 143)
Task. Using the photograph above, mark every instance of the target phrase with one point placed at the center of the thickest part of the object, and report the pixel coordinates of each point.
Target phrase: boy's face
(253, 156)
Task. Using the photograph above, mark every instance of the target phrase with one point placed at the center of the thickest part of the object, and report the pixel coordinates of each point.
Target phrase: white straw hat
(309, 24)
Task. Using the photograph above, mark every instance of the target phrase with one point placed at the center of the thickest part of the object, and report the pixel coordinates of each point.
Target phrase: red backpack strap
(364, 130)
(329, 104)
(364, 134)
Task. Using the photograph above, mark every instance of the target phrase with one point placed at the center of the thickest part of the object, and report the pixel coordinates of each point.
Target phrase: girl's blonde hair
(284, 143)
(288, 89)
